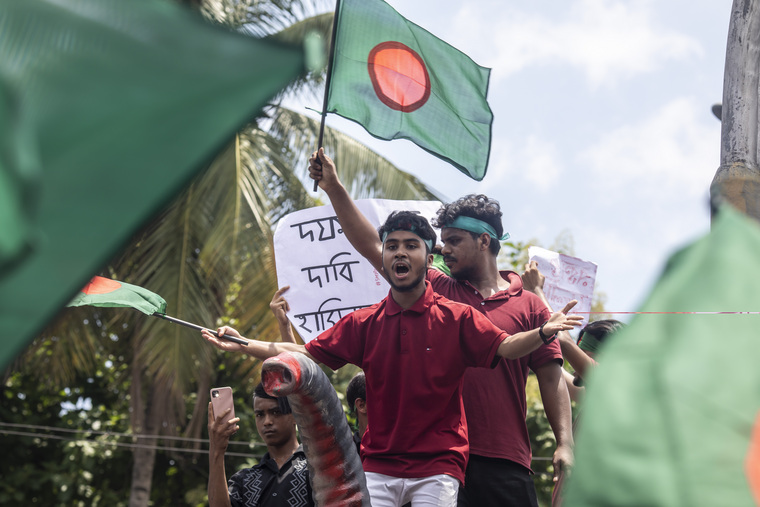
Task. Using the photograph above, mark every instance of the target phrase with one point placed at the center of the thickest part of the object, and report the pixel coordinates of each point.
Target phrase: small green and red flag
(399, 81)
(105, 292)
(108, 293)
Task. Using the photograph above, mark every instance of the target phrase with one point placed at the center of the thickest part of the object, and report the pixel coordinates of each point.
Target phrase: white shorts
(435, 491)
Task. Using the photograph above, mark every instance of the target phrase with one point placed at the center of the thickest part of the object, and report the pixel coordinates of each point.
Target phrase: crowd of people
(440, 403)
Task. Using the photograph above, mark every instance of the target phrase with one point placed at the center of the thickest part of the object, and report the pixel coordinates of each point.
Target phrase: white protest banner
(328, 279)
(567, 278)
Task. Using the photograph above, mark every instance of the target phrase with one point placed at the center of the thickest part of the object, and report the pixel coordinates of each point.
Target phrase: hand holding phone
(221, 400)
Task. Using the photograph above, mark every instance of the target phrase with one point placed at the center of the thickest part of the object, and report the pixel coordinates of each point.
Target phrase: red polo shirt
(494, 399)
(414, 361)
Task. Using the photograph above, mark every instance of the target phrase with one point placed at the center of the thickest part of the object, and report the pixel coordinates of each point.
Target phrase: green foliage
(77, 464)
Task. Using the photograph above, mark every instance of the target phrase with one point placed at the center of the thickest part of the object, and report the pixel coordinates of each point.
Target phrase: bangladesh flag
(105, 292)
(401, 82)
(672, 412)
(108, 108)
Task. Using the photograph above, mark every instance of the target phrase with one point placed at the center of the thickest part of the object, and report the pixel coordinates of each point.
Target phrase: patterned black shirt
(264, 485)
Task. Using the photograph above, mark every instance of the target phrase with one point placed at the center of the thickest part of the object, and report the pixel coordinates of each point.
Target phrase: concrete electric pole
(737, 180)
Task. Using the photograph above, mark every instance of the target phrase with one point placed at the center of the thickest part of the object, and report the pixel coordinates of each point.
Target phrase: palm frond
(259, 18)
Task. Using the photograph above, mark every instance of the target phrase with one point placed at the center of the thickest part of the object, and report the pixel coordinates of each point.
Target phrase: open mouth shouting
(401, 270)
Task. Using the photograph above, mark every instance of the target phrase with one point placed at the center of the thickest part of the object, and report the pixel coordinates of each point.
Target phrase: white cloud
(541, 165)
(608, 40)
(531, 163)
(669, 152)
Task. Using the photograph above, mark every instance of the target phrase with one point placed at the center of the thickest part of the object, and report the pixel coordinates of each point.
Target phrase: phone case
(221, 400)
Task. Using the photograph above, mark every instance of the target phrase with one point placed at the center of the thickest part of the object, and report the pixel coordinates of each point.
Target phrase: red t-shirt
(414, 361)
(494, 399)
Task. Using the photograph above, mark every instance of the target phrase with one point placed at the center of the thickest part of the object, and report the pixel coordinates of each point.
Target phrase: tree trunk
(143, 417)
(199, 419)
(737, 180)
(144, 459)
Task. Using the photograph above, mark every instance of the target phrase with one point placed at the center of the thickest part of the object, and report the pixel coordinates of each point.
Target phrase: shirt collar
(419, 306)
(514, 289)
(269, 461)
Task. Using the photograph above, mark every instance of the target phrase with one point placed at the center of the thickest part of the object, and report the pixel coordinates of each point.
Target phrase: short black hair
(408, 221)
(600, 329)
(477, 206)
(282, 401)
(356, 390)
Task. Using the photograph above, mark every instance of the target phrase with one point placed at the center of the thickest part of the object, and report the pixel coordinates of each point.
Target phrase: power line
(129, 435)
(121, 435)
(38, 434)
(121, 444)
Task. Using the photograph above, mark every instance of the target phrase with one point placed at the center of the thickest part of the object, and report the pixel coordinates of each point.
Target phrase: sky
(602, 125)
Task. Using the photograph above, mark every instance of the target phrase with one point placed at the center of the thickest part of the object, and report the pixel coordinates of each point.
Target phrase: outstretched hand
(322, 170)
(561, 321)
(279, 305)
(280, 308)
(532, 278)
(217, 341)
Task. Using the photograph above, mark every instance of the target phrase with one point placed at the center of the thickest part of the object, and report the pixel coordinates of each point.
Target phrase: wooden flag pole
(330, 59)
(199, 328)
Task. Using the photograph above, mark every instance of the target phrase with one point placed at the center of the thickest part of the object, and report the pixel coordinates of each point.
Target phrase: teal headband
(428, 242)
(588, 342)
(476, 226)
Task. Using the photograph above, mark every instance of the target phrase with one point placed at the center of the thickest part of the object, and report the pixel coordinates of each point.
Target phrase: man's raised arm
(525, 342)
(256, 348)
(358, 230)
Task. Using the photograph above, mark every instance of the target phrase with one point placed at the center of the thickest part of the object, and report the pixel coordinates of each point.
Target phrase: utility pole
(737, 180)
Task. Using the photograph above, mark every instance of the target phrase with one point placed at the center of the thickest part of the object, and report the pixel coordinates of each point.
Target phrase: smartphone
(221, 400)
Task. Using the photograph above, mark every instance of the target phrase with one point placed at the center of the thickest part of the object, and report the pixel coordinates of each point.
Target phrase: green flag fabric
(19, 182)
(401, 82)
(672, 412)
(105, 292)
(122, 103)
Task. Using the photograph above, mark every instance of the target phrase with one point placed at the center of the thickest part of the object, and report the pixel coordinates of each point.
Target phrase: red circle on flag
(399, 76)
(100, 285)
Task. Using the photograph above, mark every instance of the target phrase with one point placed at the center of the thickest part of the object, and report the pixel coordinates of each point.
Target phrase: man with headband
(499, 471)
(414, 347)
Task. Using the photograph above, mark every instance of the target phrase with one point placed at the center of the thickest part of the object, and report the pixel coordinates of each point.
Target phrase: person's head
(592, 336)
(274, 419)
(407, 241)
(356, 397)
(470, 228)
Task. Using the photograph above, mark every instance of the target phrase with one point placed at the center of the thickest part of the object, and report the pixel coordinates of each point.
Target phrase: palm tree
(210, 255)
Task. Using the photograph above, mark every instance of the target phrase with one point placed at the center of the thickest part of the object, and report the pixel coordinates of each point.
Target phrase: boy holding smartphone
(280, 479)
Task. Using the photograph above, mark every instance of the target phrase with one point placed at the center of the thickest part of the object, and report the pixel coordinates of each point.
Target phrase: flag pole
(330, 59)
(199, 328)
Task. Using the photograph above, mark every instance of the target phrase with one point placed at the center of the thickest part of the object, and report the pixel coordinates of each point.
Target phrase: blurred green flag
(401, 82)
(119, 104)
(672, 412)
(19, 182)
